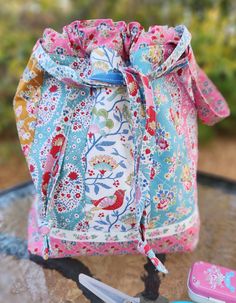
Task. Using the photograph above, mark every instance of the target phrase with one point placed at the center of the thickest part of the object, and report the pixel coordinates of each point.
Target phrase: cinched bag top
(80, 38)
(152, 53)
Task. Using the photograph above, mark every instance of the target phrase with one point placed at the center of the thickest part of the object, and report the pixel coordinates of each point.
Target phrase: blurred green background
(211, 22)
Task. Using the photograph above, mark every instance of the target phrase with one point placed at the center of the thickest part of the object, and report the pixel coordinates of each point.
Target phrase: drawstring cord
(140, 136)
(54, 171)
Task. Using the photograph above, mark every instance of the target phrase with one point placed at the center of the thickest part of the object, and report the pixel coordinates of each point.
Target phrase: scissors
(105, 292)
(109, 294)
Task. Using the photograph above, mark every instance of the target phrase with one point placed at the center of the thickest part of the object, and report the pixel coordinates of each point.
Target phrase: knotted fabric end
(145, 249)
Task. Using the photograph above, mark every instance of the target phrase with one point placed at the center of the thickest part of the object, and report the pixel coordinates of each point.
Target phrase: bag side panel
(25, 105)
(174, 206)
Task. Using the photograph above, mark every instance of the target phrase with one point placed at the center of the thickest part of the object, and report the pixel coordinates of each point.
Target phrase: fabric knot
(145, 249)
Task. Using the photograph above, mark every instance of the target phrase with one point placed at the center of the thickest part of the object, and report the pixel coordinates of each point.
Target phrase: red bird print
(111, 202)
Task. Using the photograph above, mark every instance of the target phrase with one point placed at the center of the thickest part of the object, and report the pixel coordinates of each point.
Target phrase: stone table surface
(24, 279)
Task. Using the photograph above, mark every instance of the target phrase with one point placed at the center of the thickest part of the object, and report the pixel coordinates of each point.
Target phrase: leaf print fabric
(106, 114)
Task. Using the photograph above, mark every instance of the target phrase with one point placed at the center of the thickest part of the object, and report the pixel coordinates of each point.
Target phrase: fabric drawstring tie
(132, 78)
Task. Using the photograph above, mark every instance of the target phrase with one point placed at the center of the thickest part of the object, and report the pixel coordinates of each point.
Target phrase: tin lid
(213, 282)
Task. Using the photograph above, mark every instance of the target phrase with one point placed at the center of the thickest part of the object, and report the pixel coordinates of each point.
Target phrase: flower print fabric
(107, 118)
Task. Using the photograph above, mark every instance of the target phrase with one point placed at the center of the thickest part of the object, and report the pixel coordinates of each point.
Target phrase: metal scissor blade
(105, 292)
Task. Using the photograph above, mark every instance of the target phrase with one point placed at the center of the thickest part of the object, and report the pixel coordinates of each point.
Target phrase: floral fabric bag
(106, 114)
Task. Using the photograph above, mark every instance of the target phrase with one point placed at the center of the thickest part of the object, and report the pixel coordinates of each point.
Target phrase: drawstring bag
(106, 114)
